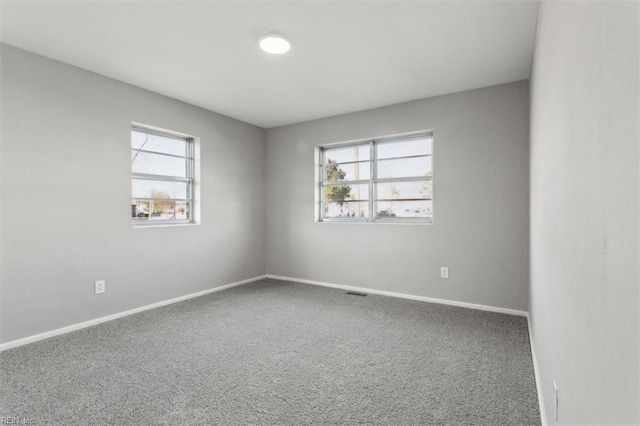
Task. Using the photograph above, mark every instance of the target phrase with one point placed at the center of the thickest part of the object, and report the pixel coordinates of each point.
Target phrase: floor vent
(354, 293)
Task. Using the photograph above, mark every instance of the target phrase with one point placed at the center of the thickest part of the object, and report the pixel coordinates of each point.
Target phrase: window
(383, 180)
(162, 177)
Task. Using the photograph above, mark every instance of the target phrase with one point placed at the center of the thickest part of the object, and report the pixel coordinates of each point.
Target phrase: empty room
(320, 212)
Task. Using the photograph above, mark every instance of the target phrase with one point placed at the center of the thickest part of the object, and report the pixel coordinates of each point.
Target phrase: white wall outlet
(444, 272)
(101, 286)
(555, 405)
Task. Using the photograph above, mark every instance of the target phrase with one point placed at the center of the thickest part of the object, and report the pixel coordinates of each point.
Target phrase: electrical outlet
(101, 286)
(444, 272)
(555, 405)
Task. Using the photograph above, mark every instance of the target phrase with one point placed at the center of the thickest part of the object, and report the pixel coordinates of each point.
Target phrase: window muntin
(381, 180)
(162, 170)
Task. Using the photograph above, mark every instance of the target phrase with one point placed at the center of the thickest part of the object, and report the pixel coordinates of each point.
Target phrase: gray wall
(584, 211)
(66, 199)
(481, 209)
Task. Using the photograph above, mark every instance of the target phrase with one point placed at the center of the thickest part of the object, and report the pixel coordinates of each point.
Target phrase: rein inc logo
(16, 421)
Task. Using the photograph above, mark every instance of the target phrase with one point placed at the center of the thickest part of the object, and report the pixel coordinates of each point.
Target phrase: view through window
(385, 180)
(162, 177)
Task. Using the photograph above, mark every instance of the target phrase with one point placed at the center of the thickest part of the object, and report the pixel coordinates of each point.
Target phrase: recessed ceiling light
(274, 44)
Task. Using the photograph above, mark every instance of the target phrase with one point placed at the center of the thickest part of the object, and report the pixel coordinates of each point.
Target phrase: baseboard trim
(536, 372)
(404, 296)
(85, 324)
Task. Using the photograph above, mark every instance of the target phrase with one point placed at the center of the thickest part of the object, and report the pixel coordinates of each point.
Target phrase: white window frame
(189, 179)
(373, 179)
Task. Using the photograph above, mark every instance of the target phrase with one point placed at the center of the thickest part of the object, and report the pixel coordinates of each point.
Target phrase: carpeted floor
(275, 352)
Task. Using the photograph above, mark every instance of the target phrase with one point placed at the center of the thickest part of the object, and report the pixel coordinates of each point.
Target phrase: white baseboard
(81, 325)
(404, 296)
(536, 371)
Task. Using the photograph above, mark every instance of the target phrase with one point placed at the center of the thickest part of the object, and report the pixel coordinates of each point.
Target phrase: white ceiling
(345, 56)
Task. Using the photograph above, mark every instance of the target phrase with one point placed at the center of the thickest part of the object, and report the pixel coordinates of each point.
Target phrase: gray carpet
(274, 352)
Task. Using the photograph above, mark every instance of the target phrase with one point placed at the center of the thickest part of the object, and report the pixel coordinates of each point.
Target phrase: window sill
(164, 225)
(380, 222)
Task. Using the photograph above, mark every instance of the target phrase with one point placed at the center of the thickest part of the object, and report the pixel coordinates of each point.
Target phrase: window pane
(421, 209)
(139, 210)
(162, 210)
(404, 190)
(157, 164)
(151, 142)
(335, 172)
(182, 210)
(344, 193)
(351, 209)
(405, 167)
(153, 209)
(347, 154)
(142, 188)
(405, 148)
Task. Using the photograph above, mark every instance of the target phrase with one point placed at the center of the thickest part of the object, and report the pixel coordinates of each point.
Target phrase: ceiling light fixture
(275, 44)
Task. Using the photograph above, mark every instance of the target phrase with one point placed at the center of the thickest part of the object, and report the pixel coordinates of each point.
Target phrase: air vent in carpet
(354, 293)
